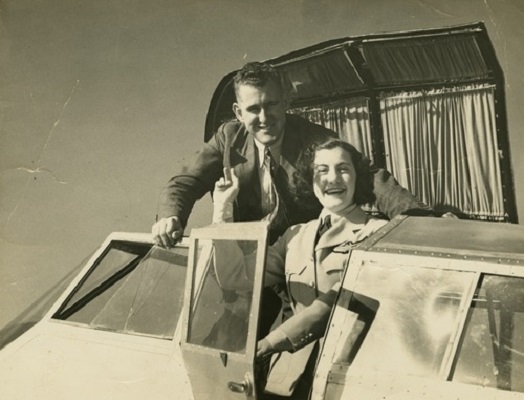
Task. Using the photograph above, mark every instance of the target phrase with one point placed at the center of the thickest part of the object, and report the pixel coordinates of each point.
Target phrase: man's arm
(392, 199)
(184, 189)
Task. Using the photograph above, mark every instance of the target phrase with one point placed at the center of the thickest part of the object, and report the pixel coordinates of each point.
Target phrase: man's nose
(262, 115)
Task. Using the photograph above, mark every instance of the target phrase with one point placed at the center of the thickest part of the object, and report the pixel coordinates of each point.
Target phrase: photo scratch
(55, 124)
(39, 169)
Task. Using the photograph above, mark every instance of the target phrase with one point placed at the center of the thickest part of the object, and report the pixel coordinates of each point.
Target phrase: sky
(102, 101)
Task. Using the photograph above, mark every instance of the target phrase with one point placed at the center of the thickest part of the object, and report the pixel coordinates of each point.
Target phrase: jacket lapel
(343, 230)
(247, 170)
(290, 145)
(307, 241)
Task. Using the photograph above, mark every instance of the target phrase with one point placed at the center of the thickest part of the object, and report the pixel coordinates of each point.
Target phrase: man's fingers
(165, 238)
(449, 214)
(156, 232)
(166, 232)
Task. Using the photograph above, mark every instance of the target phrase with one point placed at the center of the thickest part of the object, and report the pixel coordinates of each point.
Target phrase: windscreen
(133, 288)
(492, 350)
(406, 318)
(222, 294)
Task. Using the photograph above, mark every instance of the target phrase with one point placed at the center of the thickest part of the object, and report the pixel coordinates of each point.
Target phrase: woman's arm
(234, 269)
(224, 195)
(302, 328)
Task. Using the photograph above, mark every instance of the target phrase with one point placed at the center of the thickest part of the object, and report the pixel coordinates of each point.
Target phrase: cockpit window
(133, 288)
(219, 315)
(492, 350)
(405, 319)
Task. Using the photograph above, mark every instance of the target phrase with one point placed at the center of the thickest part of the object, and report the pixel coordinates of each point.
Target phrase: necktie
(268, 157)
(324, 226)
(269, 197)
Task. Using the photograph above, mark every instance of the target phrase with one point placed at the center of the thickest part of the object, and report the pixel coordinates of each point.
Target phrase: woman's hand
(277, 344)
(225, 193)
(264, 348)
(226, 188)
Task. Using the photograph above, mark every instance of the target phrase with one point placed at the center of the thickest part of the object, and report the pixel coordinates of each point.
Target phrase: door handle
(237, 387)
(241, 387)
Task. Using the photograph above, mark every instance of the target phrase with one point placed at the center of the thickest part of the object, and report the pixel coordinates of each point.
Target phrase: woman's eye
(344, 169)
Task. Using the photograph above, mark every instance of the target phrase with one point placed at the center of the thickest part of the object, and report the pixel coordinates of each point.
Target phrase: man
(262, 124)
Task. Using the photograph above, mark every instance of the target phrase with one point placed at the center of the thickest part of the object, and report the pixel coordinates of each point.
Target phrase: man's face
(262, 111)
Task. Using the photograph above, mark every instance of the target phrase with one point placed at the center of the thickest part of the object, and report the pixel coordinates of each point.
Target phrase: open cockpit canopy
(428, 105)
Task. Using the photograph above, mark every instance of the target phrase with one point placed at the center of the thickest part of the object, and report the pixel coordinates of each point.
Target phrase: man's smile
(265, 127)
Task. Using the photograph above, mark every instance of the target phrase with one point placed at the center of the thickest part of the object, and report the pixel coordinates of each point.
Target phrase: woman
(309, 261)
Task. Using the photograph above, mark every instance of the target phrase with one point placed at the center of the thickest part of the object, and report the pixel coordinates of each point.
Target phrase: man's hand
(449, 214)
(167, 232)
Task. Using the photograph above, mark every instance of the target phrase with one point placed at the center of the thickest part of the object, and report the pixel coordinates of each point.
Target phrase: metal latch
(242, 387)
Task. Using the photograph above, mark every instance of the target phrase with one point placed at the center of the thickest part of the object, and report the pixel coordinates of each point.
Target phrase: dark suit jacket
(233, 144)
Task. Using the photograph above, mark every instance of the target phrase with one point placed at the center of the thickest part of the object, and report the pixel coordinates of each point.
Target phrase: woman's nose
(332, 175)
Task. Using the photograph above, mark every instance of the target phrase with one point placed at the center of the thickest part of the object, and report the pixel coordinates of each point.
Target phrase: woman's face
(334, 179)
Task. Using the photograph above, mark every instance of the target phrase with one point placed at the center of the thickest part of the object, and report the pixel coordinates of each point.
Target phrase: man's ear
(286, 102)
(285, 98)
(238, 111)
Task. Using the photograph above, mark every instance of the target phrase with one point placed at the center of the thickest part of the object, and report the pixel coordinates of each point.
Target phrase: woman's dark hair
(303, 176)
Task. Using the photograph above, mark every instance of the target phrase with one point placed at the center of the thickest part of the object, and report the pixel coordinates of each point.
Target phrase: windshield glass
(492, 350)
(406, 318)
(134, 288)
(221, 302)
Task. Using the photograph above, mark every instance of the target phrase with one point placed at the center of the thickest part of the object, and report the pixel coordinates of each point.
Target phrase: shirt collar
(344, 227)
(350, 213)
(275, 148)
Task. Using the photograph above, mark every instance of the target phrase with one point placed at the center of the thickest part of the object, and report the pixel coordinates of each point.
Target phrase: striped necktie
(269, 195)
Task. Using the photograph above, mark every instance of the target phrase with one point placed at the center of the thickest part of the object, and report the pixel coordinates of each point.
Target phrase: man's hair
(303, 176)
(256, 74)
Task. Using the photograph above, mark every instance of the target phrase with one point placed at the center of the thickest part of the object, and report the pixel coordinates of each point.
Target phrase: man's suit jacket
(233, 145)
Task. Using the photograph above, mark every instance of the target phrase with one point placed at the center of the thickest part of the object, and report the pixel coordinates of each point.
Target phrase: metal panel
(452, 238)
